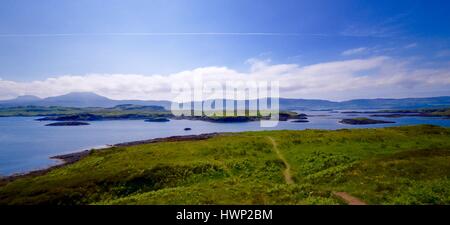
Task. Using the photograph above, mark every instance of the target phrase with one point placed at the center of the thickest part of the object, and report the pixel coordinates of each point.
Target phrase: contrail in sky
(161, 34)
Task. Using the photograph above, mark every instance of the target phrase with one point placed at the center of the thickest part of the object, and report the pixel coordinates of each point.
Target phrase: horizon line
(81, 92)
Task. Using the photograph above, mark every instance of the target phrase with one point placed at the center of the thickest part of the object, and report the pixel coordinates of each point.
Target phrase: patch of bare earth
(351, 200)
(287, 171)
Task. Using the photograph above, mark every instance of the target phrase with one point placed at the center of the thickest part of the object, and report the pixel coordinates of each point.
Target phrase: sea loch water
(26, 144)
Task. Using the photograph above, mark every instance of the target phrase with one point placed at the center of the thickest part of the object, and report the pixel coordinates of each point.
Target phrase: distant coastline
(92, 100)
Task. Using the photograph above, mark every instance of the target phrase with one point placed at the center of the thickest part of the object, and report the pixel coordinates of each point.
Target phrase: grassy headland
(129, 112)
(363, 121)
(89, 113)
(399, 165)
(429, 112)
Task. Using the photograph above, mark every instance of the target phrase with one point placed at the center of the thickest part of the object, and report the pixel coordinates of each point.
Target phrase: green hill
(399, 165)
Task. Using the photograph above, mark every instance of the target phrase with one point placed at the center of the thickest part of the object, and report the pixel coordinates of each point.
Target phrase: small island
(285, 116)
(70, 123)
(363, 121)
(157, 119)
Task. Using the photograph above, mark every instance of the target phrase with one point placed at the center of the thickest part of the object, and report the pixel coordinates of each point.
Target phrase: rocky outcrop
(70, 123)
(157, 119)
(300, 121)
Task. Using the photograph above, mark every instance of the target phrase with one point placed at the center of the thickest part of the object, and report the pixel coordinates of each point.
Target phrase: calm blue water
(26, 144)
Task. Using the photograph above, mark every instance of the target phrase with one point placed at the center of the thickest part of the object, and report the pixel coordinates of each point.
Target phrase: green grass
(443, 112)
(117, 111)
(399, 165)
(38, 111)
(428, 112)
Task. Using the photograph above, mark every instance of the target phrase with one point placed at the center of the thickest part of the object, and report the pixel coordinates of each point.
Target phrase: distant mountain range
(378, 103)
(87, 99)
(78, 99)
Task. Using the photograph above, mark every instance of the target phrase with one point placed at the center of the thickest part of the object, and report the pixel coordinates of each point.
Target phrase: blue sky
(53, 38)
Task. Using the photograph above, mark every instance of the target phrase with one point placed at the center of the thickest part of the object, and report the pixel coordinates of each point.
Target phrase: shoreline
(71, 158)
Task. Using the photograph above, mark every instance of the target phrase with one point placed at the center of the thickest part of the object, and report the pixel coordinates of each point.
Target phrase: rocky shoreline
(169, 139)
(64, 124)
(67, 159)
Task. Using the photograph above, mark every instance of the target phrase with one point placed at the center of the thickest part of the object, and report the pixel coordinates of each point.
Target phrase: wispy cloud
(372, 32)
(412, 45)
(387, 28)
(354, 51)
(443, 53)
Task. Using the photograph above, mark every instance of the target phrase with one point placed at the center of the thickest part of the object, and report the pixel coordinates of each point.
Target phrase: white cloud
(358, 78)
(354, 51)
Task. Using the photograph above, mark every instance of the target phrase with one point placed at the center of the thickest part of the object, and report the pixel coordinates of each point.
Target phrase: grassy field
(399, 165)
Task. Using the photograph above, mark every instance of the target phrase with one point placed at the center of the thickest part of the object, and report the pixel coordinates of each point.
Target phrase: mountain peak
(82, 95)
(78, 99)
(27, 98)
